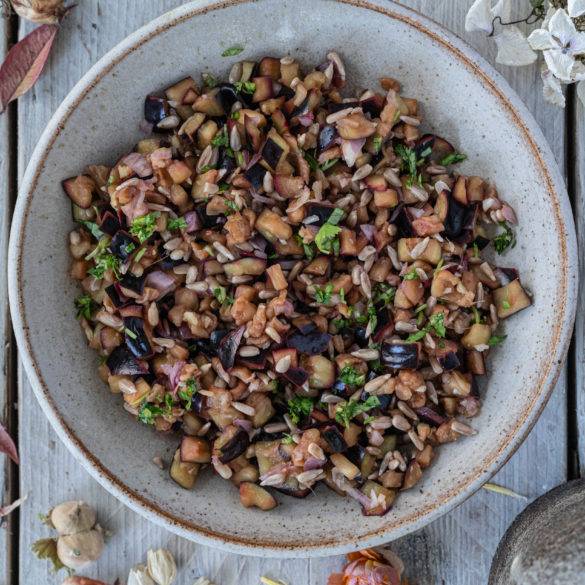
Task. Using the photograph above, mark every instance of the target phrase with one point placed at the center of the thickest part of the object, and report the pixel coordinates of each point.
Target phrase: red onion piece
(253, 160)
(351, 149)
(173, 372)
(244, 424)
(159, 158)
(306, 119)
(193, 222)
(135, 208)
(368, 230)
(161, 282)
(138, 163)
(313, 463)
(416, 212)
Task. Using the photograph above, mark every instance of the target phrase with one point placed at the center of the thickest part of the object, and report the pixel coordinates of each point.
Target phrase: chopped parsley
(206, 168)
(221, 138)
(323, 295)
(411, 275)
(92, 228)
(409, 163)
(85, 306)
(130, 333)
(384, 293)
(476, 315)
(377, 144)
(232, 206)
(327, 237)
(187, 392)
(328, 164)
(352, 408)
(496, 340)
(287, 439)
(505, 305)
(209, 80)
(505, 239)
(148, 412)
(221, 295)
(314, 163)
(245, 87)
(178, 223)
(452, 158)
(436, 323)
(235, 115)
(232, 51)
(104, 261)
(350, 376)
(143, 227)
(299, 407)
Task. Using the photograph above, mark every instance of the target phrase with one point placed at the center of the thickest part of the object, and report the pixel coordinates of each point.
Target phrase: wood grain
(455, 550)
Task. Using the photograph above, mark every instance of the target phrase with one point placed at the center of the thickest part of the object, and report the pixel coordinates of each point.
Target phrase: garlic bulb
(72, 517)
(41, 11)
(161, 566)
(76, 551)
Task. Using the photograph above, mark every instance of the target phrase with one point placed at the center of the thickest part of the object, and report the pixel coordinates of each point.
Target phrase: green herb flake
(409, 164)
(92, 228)
(148, 412)
(326, 236)
(496, 340)
(417, 336)
(452, 158)
(143, 227)
(248, 87)
(323, 295)
(299, 407)
(411, 275)
(310, 158)
(351, 376)
(287, 439)
(328, 164)
(232, 207)
(104, 262)
(232, 51)
(85, 306)
(129, 333)
(377, 144)
(437, 322)
(221, 295)
(186, 393)
(178, 223)
(505, 305)
(504, 240)
(221, 138)
(476, 315)
(235, 115)
(346, 412)
(384, 293)
(209, 80)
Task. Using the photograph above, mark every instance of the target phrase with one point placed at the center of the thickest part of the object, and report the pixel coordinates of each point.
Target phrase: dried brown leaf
(5, 510)
(46, 548)
(25, 62)
(7, 445)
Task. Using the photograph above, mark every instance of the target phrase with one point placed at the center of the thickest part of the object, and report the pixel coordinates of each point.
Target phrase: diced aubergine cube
(136, 339)
(384, 503)
(272, 226)
(255, 174)
(322, 210)
(335, 441)
(227, 96)
(132, 283)
(234, 447)
(477, 334)
(122, 362)
(228, 346)
(255, 496)
(271, 153)
(450, 361)
(475, 363)
(264, 89)
(195, 450)
(156, 109)
(256, 362)
(109, 223)
(288, 186)
(184, 474)
(440, 148)
(327, 136)
(245, 266)
(296, 376)
(80, 190)
(401, 355)
(432, 253)
(269, 67)
(510, 299)
(321, 371)
(460, 221)
(430, 416)
(182, 92)
(310, 343)
(123, 245)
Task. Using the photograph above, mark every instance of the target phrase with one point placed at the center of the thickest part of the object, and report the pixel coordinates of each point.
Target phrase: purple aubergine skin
(546, 542)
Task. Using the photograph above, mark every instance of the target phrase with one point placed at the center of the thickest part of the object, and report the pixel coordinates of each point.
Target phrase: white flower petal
(560, 64)
(576, 8)
(513, 48)
(540, 40)
(503, 9)
(581, 92)
(561, 26)
(552, 88)
(577, 46)
(578, 71)
(479, 16)
(549, 14)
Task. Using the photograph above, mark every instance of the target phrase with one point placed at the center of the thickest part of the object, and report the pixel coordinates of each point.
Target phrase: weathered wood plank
(457, 549)
(6, 406)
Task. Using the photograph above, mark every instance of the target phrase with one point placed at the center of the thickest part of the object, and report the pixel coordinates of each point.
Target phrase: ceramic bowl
(462, 98)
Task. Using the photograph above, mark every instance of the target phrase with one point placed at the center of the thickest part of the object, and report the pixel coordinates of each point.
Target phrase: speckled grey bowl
(462, 98)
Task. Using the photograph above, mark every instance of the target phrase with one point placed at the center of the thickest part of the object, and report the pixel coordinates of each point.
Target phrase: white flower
(161, 566)
(576, 8)
(560, 44)
(481, 15)
(552, 89)
(139, 576)
(513, 48)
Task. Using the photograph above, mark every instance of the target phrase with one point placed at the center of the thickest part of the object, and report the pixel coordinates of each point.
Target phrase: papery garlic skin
(139, 576)
(40, 11)
(161, 566)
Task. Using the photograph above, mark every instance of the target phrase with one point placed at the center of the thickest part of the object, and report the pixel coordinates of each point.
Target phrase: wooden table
(455, 550)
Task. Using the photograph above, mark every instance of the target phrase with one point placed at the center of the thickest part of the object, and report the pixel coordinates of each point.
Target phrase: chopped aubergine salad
(293, 281)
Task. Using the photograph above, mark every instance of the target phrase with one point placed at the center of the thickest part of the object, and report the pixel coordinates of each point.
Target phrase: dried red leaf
(7, 445)
(25, 62)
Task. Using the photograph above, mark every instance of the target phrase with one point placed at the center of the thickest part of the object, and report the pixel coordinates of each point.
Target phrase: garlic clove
(139, 576)
(76, 551)
(72, 517)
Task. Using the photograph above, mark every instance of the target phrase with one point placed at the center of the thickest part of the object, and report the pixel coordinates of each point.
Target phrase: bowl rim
(473, 480)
